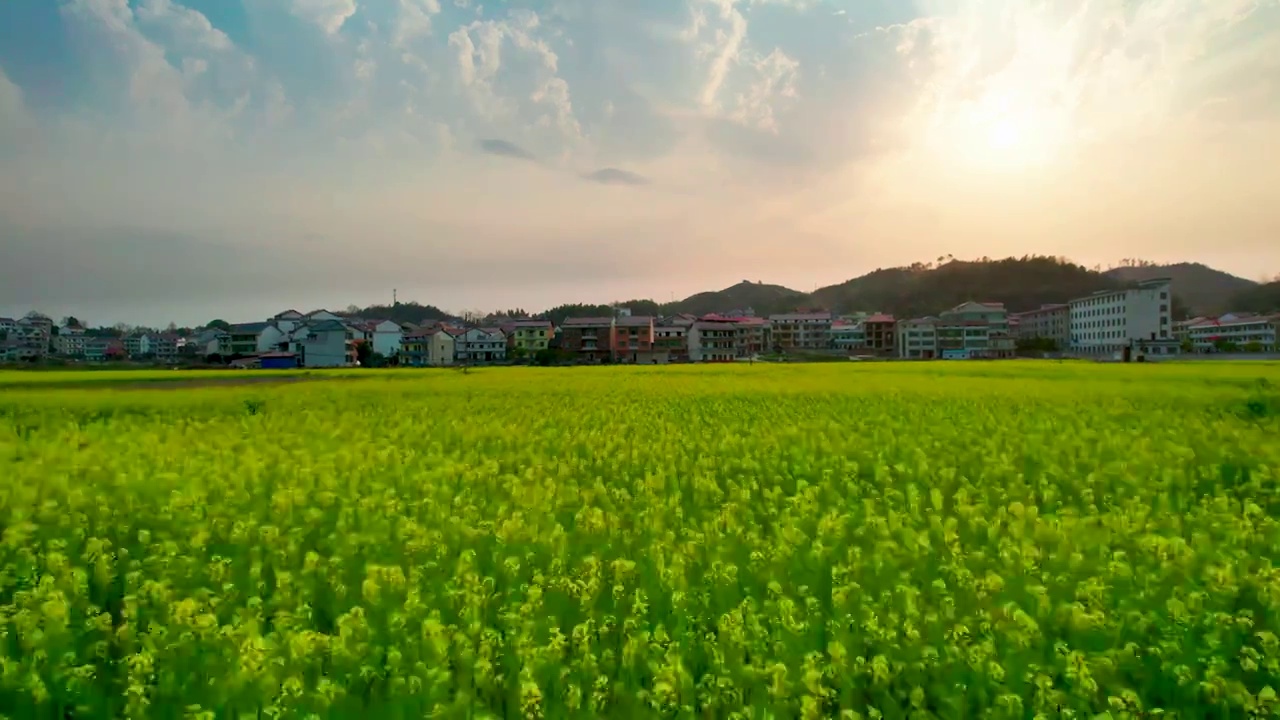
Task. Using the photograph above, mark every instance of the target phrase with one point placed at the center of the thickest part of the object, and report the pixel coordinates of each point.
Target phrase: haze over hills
(1021, 284)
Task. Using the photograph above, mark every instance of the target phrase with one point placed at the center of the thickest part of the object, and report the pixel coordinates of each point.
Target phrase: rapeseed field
(879, 541)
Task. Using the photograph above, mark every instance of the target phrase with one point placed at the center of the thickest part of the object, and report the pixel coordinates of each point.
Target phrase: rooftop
(785, 317)
(250, 327)
(635, 321)
(570, 322)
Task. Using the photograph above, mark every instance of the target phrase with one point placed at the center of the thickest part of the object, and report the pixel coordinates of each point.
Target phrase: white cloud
(328, 15)
(414, 20)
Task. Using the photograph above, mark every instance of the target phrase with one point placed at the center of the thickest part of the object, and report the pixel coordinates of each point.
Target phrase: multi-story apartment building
(33, 335)
(974, 330)
(918, 338)
(1235, 332)
(752, 335)
(480, 345)
(528, 336)
(70, 340)
(590, 339)
(880, 334)
(848, 335)
(325, 343)
(801, 331)
(1124, 322)
(712, 341)
(432, 346)
(671, 341)
(1050, 323)
(245, 336)
(633, 339)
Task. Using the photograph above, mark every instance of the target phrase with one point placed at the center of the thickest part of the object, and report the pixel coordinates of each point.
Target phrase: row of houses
(1129, 322)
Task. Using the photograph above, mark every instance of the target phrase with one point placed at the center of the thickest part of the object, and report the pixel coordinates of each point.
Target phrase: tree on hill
(1260, 298)
(1021, 284)
(218, 324)
(1197, 288)
(404, 313)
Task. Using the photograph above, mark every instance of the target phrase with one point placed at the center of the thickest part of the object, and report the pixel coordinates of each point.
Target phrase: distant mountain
(762, 298)
(1021, 284)
(1259, 298)
(925, 289)
(1199, 288)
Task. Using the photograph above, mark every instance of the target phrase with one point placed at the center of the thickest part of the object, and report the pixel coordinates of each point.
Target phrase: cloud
(328, 15)
(614, 176)
(824, 140)
(502, 148)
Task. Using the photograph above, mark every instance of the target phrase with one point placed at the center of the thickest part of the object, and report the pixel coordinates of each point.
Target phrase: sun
(1004, 135)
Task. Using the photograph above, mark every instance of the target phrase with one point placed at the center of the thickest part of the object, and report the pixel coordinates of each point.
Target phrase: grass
(838, 540)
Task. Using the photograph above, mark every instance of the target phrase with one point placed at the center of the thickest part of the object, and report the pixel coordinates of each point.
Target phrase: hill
(760, 297)
(1199, 288)
(402, 313)
(1021, 284)
(1263, 298)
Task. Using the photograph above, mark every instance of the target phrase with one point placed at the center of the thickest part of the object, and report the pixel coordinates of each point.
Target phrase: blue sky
(180, 160)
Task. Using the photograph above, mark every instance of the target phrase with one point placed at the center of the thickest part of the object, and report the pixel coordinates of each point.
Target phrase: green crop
(1003, 540)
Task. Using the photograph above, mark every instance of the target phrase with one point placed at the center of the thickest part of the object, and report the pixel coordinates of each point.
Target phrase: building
(137, 345)
(384, 336)
(163, 346)
(917, 339)
(974, 331)
(480, 345)
(589, 339)
(848, 336)
(1235, 332)
(671, 341)
(528, 337)
(880, 333)
(1120, 323)
(211, 341)
(633, 339)
(103, 349)
(245, 338)
(712, 341)
(801, 331)
(1047, 324)
(428, 347)
(70, 340)
(753, 336)
(328, 343)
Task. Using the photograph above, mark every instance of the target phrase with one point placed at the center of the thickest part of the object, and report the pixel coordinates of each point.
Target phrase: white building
(385, 336)
(712, 341)
(1133, 320)
(917, 339)
(481, 345)
(1235, 332)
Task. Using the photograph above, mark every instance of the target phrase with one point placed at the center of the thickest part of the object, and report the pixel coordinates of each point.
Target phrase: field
(963, 540)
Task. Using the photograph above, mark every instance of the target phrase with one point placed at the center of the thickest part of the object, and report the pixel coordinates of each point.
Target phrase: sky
(190, 159)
